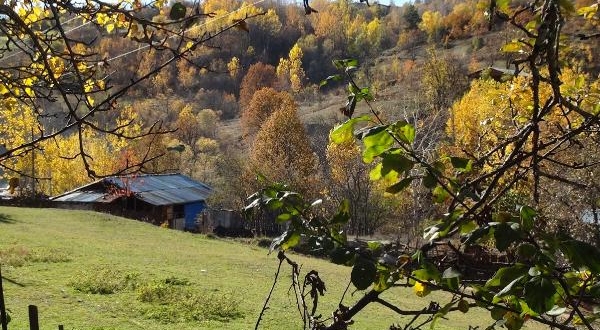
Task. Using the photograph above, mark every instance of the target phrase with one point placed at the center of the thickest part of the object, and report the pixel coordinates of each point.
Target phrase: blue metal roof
(155, 189)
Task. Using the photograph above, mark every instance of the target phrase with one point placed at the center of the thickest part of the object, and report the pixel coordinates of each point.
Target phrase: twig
(281, 257)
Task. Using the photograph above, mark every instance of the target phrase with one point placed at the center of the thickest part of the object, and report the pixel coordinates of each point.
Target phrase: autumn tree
(290, 71)
(259, 75)
(43, 63)
(264, 103)
(432, 23)
(281, 150)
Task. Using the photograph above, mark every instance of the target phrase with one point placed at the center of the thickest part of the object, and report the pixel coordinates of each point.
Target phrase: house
(162, 199)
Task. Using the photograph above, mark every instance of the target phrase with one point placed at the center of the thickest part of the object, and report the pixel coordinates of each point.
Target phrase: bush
(103, 280)
(171, 300)
(18, 255)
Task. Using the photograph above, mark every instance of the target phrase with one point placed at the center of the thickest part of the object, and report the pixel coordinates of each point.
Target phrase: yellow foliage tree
(291, 68)
(282, 152)
(432, 23)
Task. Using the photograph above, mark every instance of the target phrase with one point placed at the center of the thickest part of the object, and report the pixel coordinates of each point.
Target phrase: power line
(46, 31)
(188, 30)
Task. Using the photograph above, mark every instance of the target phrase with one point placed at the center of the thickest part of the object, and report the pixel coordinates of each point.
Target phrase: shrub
(18, 255)
(103, 280)
(172, 300)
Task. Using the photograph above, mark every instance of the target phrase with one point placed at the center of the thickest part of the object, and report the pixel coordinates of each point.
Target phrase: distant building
(162, 199)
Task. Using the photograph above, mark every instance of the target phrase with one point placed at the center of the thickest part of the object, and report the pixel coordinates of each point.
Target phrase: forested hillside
(251, 104)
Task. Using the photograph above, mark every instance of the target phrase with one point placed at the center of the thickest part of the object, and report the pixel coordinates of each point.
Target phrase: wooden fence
(34, 323)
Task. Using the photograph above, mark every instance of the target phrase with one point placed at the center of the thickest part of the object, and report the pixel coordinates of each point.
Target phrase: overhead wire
(46, 31)
(185, 31)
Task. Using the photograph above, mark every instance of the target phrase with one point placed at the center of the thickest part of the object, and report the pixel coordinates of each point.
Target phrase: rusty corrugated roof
(155, 189)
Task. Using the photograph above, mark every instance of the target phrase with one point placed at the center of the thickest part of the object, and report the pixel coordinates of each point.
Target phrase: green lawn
(47, 253)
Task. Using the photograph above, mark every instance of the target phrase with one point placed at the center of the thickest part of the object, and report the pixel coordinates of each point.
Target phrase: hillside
(45, 253)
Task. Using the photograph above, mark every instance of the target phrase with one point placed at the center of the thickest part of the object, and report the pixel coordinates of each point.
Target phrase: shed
(172, 200)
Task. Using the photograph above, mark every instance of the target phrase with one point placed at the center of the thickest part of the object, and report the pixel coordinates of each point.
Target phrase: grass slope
(46, 252)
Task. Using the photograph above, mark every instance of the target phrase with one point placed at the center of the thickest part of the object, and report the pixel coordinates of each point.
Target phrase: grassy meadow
(88, 270)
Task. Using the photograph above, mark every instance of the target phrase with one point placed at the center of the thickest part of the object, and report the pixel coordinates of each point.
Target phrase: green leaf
(404, 131)
(276, 243)
(462, 165)
(527, 250)
(335, 77)
(338, 235)
(354, 90)
(581, 254)
(343, 214)
(467, 227)
(343, 64)
(395, 161)
(344, 133)
(440, 195)
(429, 180)
(502, 5)
(539, 293)
(177, 11)
(283, 217)
(506, 275)
(527, 215)
(497, 313)
(508, 288)
(374, 245)
(376, 140)
(365, 93)
(382, 283)
(478, 233)
(513, 321)
(341, 256)
(427, 272)
(291, 240)
(505, 235)
(363, 273)
(398, 187)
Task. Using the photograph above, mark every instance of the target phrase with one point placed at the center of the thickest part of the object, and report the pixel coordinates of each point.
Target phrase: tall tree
(411, 17)
(264, 103)
(281, 151)
(259, 75)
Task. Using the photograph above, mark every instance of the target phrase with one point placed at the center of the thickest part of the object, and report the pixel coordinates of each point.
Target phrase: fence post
(3, 318)
(33, 318)
(61, 327)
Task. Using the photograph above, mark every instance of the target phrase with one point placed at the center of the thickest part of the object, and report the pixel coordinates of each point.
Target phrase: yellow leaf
(102, 18)
(90, 100)
(81, 66)
(100, 83)
(110, 27)
(421, 289)
(89, 86)
(28, 82)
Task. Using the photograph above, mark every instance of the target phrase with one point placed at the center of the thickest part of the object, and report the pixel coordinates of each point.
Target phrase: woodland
(339, 119)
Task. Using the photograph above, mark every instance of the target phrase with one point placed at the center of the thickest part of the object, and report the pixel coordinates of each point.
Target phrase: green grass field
(160, 278)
